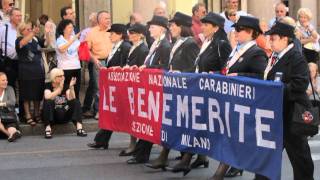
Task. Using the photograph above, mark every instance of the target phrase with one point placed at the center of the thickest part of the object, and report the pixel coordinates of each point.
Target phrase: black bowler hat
(138, 28)
(282, 29)
(118, 28)
(214, 19)
(182, 19)
(159, 20)
(249, 22)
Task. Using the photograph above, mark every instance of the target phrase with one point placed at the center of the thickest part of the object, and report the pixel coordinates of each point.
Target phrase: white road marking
(315, 156)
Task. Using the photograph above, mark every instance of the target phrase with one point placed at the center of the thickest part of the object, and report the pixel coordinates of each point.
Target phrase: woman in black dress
(31, 72)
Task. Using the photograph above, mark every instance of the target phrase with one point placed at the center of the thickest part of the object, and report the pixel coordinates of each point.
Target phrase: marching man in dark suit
(158, 57)
(295, 76)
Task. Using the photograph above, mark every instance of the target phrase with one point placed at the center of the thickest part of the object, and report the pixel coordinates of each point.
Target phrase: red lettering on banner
(131, 101)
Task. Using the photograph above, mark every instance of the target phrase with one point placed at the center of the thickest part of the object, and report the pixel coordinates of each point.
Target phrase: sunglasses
(232, 14)
(60, 76)
(239, 28)
(11, 4)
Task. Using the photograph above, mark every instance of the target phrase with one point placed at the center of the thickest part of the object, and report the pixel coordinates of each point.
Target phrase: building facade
(121, 9)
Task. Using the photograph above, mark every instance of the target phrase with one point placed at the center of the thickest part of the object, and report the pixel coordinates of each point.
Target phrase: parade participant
(117, 58)
(246, 59)
(182, 57)
(158, 57)
(295, 76)
(137, 54)
(213, 54)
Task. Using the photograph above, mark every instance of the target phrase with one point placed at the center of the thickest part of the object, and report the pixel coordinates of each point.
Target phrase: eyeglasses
(239, 28)
(11, 4)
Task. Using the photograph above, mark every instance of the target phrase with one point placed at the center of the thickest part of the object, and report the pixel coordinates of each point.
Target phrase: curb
(89, 125)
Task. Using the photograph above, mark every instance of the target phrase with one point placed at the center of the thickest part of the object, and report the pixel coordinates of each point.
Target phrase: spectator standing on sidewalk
(198, 12)
(31, 72)
(6, 7)
(100, 46)
(67, 53)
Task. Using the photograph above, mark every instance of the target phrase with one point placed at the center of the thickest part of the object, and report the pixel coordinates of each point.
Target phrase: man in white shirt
(281, 11)
(7, 5)
(231, 4)
(10, 66)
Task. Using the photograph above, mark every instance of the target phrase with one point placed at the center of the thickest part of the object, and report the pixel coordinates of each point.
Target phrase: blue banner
(236, 120)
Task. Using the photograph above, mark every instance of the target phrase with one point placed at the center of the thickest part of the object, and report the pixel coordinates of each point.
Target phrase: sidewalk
(89, 125)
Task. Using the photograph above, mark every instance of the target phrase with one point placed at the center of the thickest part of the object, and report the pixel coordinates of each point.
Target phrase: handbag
(305, 119)
(84, 52)
(8, 115)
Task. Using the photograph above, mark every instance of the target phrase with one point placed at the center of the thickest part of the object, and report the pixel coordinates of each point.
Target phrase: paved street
(66, 157)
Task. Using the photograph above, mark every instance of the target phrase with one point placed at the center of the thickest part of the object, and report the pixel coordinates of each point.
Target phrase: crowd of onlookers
(205, 42)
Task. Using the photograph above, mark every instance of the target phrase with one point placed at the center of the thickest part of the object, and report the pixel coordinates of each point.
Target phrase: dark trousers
(143, 150)
(103, 136)
(52, 116)
(299, 154)
(91, 90)
(68, 74)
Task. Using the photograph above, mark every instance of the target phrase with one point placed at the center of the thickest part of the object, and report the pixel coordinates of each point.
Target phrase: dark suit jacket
(251, 64)
(295, 78)
(184, 56)
(138, 55)
(216, 54)
(120, 57)
(161, 55)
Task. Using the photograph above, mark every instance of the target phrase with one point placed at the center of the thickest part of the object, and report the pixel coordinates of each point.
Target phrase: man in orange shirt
(198, 12)
(100, 45)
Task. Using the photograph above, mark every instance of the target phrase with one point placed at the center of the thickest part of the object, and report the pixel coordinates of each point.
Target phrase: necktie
(274, 59)
(148, 60)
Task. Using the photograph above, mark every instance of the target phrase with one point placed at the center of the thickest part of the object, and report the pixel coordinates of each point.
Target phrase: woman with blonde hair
(31, 72)
(60, 105)
(309, 36)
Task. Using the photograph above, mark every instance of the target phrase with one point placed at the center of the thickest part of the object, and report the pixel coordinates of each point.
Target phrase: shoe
(180, 168)
(38, 119)
(81, 133)
(48, 134)
(96, 116)
(135, 161)
(98, 145)
(124, 153)
(14, 136)
(198, 162)
(88, 114)
(30, 121)
(157, 165)
(233, 172)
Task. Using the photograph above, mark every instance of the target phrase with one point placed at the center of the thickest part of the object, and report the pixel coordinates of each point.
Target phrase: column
(262, 9)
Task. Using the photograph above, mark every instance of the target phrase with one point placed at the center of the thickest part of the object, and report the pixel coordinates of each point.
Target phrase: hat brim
(158, 24)
(250, 27)
(208, 21)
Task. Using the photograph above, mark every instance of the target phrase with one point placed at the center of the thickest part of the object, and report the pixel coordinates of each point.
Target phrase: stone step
(89, 125)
